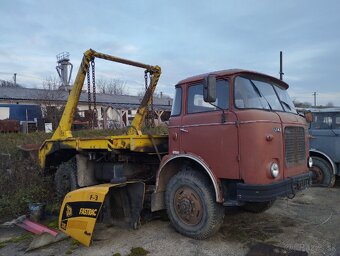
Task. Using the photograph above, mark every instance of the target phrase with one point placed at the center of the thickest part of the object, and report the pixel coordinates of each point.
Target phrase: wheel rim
(188, 206)
(318, 175)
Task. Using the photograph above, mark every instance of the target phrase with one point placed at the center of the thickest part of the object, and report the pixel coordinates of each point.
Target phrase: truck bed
(151, 144)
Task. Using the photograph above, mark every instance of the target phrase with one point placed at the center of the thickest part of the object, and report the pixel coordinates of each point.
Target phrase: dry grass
(20, 180)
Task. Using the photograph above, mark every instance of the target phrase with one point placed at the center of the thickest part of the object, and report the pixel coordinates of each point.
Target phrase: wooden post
(159, 113)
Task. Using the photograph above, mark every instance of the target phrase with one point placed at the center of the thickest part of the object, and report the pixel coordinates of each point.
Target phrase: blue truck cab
(325, 145)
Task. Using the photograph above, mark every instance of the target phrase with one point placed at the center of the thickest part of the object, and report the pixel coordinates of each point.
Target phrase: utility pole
(15, 79)
(281, 72)
(314, 94)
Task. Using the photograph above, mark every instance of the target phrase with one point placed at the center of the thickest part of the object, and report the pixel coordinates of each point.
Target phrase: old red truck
(244, 146)
(235, 139)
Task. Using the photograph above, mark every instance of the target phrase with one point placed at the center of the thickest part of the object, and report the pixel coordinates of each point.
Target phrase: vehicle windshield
(326, 121)
(250, 93)
(286, 101)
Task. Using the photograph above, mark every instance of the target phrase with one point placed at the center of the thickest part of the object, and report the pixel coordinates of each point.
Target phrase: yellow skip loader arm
(63, 132)
(64, 129)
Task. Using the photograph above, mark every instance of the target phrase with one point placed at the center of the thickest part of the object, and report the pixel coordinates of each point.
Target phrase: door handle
(183, 130)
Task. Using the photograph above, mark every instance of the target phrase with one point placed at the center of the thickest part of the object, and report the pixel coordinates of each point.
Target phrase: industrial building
(113, 111)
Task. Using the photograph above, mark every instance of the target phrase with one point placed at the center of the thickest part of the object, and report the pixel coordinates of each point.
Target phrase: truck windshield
(250, 93)
(326, 121)
(286, 101)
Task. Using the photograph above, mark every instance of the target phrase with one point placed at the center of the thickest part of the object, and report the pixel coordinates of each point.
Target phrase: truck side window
(336, 123)
(322, 121)
(177, 103)
(197, 104)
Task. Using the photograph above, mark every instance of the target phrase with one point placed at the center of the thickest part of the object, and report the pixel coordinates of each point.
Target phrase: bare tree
(299, 104)
(51, 83)
(51, 99)
(4, 83)
(112, 86)
(330, 104)
(160, 95)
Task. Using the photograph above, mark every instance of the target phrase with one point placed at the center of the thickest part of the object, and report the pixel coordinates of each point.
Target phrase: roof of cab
(324, 110)
(230, 72)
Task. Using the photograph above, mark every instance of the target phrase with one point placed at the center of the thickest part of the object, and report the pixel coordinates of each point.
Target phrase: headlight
(310, 162)
(274, 170)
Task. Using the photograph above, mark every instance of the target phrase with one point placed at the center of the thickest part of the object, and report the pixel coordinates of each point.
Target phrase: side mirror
(309, 117)
(209, 88)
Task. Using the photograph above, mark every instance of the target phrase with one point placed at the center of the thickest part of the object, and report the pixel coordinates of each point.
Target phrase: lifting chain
(146, 79)
(94, 116)
(94, 87)
(151, 105)
(93, 121)
(88, 88)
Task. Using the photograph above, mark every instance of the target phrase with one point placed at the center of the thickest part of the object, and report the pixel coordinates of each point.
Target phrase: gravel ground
(310, 222)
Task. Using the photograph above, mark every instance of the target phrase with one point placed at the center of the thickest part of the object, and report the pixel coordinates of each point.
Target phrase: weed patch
(138, 251)
(21, 181)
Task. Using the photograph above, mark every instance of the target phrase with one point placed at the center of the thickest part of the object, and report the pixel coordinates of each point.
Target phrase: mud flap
(81, 207)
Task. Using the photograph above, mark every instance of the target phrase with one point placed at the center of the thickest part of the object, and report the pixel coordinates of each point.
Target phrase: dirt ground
(310, 222)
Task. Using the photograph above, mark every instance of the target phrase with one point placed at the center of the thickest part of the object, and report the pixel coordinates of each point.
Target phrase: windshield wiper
(286, 105)
(259, 93)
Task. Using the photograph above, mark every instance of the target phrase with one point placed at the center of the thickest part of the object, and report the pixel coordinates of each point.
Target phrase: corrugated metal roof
(322, 110)
(117, 101)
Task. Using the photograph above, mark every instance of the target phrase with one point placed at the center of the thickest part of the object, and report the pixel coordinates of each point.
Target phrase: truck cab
(249, 141)
(325, 145)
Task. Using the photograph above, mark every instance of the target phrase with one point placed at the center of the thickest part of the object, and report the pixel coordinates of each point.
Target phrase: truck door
(202, 132)
(175, 122)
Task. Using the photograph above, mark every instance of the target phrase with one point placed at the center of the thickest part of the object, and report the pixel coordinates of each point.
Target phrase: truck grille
(295, 145)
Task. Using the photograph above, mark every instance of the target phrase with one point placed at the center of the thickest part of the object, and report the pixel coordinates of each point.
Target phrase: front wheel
(65, 178)
(322, 173)
(191, 205)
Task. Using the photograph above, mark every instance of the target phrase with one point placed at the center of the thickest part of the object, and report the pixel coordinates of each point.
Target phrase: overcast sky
(184, 37)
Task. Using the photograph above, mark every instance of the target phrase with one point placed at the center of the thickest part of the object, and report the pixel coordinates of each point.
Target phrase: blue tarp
(23, 112)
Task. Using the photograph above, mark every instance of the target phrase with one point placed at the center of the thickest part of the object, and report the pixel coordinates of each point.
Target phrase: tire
(323, 175)
(65, 178)
(191, 205)
(257, 207)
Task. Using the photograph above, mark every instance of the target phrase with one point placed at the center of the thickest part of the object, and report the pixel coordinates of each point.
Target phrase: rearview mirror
(309, 117)
(209, 88)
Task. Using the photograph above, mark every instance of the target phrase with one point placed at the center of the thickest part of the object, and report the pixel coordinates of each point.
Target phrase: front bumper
(285, 188)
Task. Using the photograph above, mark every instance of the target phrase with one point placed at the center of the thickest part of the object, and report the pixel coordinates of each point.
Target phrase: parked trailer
(235, 139)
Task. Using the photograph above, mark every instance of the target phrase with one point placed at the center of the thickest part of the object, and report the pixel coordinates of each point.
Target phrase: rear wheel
(191, 205)
(65, 178)
(257, 207)
(322, 173)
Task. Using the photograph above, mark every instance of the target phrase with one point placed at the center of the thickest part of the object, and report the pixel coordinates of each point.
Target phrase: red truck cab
(240, 133)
